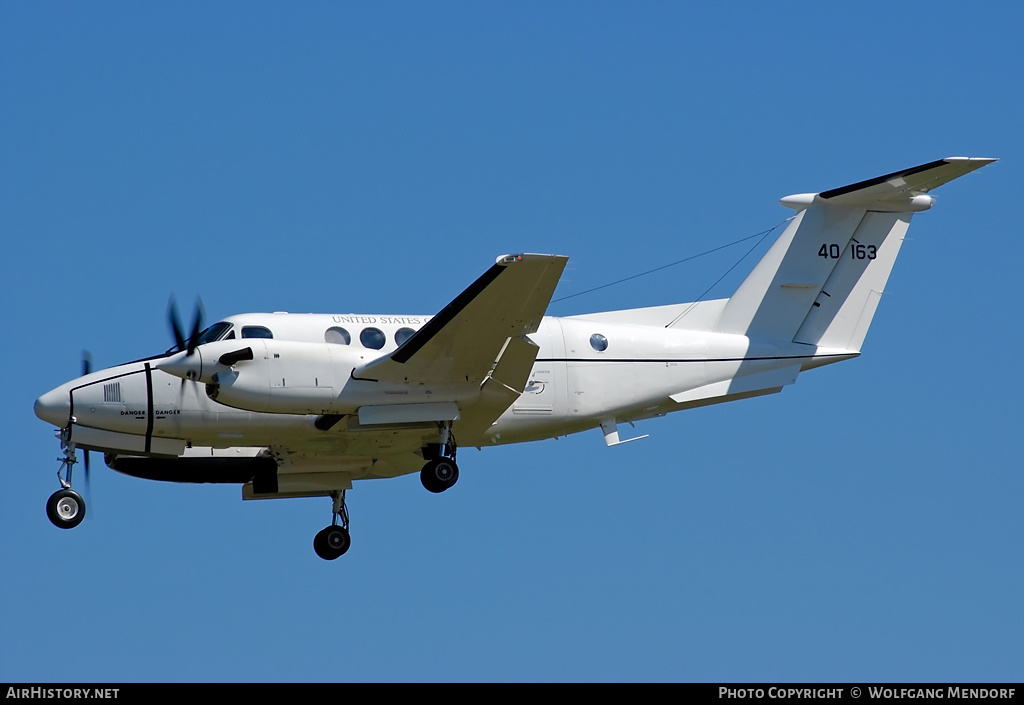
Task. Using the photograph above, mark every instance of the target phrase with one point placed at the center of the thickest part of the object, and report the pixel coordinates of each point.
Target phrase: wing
(465, 341)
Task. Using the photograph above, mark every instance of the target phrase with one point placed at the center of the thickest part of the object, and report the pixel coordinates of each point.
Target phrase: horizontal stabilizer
(904, 190)
(908, 182)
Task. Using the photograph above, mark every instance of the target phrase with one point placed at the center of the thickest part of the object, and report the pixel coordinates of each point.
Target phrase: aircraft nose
(54, 406)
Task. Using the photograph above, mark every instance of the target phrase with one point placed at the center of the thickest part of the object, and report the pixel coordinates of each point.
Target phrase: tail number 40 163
(857, 251)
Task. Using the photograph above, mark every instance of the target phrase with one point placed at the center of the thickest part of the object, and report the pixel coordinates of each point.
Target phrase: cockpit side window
(256, 332)
(214, 332)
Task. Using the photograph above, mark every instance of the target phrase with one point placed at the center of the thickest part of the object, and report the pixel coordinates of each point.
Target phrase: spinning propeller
(187, 344)
(86, 369)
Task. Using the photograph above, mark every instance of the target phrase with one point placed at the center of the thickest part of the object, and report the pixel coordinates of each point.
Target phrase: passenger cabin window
(403, 334)
(337, 336)
(372, 338)
(256, 332)
(598, 342)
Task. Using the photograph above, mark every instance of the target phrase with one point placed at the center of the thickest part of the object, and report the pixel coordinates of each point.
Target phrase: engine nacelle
(282, 376)
(288, 377)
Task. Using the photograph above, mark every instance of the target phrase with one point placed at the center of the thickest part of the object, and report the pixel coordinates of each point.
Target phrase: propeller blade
(88, 485)
(85, 464)
(190, 343)
(197, 326)
(175, 322)
(86, 363)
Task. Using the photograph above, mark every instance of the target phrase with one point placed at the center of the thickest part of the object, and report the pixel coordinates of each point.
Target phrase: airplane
(303, 405)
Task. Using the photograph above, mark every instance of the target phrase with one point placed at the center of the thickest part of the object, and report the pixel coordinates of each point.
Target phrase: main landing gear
(437, 475)
(333, 541)
(66, 508)
(440, 472)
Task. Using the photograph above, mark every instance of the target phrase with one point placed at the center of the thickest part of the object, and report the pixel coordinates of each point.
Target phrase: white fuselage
(588, 371)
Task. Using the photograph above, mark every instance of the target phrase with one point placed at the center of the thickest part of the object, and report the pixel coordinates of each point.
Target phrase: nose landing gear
(66, 508)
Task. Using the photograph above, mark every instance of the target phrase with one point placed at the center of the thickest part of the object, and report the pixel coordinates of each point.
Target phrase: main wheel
(332, 542)
(66, 509)
(439, 474)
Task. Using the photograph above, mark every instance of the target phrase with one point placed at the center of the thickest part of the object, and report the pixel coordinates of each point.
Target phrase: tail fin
(821, 280)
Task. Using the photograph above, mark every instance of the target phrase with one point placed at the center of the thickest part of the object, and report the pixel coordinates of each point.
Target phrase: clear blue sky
(864, 525)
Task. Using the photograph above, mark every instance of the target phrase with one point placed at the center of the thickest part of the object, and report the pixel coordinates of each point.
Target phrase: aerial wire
(746, 254)
(762, 235)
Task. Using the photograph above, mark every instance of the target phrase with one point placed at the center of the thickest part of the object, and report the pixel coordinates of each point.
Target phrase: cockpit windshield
(214, 332)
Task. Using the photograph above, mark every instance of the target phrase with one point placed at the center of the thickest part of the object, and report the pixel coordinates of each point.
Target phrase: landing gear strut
(332, 542)
(441, 472)
(66, 508)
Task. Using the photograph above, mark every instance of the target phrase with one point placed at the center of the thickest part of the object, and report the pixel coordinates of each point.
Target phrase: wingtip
(981, 160)
(506, 260)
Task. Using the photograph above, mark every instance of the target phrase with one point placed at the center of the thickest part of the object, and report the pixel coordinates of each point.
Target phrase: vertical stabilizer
(842, 311)
(820, 282)
(773, 300)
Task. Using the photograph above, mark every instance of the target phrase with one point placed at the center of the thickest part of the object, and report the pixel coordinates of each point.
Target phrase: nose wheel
(332, 542)
(66, 508)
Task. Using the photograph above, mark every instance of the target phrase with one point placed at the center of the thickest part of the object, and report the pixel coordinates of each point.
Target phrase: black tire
(439, 474)
(65, 509)
(331, 543)
(320, 545)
